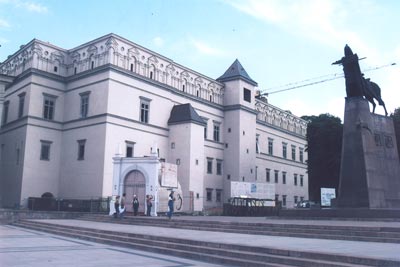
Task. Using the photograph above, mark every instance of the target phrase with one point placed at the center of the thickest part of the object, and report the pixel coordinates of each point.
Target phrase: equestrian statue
(356, 84)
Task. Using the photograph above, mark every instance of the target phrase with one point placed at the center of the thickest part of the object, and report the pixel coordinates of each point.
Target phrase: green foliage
(324, 138)
(396, 120)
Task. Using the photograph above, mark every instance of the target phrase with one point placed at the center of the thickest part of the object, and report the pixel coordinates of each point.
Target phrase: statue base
(370, 166)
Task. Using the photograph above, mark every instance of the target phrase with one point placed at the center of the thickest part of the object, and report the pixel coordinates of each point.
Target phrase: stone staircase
(214, 252)
(351, 233)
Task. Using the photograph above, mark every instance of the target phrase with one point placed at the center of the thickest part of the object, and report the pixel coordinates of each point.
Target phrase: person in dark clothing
(149, 204)
(171, 200)
(135, 204)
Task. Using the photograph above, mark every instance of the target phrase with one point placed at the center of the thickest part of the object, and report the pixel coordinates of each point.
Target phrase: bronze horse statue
(371, 90)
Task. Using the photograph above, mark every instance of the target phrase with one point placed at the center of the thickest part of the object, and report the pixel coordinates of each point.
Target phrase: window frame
(45, 144)
(49, 109)
(209, 165)
(144, 112)
(81, 149)
(216, 131)
(21, 104)
(84, 104)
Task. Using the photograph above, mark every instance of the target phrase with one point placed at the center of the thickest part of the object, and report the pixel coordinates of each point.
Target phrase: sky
(281, 43)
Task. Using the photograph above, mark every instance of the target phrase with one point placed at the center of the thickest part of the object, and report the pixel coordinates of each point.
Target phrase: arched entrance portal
(135, 184)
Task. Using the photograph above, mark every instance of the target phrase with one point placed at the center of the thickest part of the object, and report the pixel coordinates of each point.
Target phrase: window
(205, 127)
(284, 200)
(75, 70)
(49, 104)
(219, 167)
(5, 112)
(270, 146)
(172, 145)
(218, 195)
(92, 66)
(283, 177)
(295, 199)
(178, 161)
(301, 198)
(209, 194)
(247, 95)
(21, 105)
(129, 149)
(301, 154)
(293, 153)
(284, 150)
(144, 109)
(45, 150)
(209, 165)
(55, 69)
(257, 146)
(295, 179)
(301, 180)
(276, 198)
(276, 176)
(81, 149)
(228, 177)
(84, 104)
(268, 175)
(216, 132)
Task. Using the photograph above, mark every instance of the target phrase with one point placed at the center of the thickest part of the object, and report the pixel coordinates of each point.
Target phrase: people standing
(116, 206)
(149, 204)
(122, 205)
(135, 204)
(171, 200)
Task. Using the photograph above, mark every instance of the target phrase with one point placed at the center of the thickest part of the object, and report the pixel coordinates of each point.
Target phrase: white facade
(65, 113)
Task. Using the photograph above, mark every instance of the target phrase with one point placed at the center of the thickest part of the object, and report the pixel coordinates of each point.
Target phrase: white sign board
(169, 175)
(253, 190)
(326, 195)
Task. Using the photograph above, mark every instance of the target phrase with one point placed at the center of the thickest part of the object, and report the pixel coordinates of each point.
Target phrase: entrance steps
(333, 232)
(213, 252)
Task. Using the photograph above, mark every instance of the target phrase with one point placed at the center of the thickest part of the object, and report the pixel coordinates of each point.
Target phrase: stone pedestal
(370, 167)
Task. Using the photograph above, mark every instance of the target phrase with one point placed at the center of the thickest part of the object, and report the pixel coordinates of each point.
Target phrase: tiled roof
(236, 71)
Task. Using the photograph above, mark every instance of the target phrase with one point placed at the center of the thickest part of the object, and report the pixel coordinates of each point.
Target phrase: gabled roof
(236, 71)
(183, 114)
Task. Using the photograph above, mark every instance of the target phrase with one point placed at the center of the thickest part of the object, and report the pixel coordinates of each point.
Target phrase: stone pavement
(41, 249)
(26, 248)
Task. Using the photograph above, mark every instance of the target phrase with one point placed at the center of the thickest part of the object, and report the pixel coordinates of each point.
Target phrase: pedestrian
(135, 204)
(122, 206)
(149, 204)
(171, 200)
(112, 207)
(116, 206)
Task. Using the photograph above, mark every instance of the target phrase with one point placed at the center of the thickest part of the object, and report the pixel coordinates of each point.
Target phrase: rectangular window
(205, 127)
(144, 109)
(284, 150)
(218, 195)
(283, 177)
(295, 179)
(81, 149)
(247, 95)
(276, 176)
(129, 149)
(295, 199)
(209, 165)
(84, 104)
(45, 150)
(5, 112)
(268, 175)
(283, 200)
(209, 194)
(301, 180)
(257, 145)
(219, 167)
(216, 132)
(276, 198)
(301, 154)
(49, 105)
(293, 153)
(301, 198)
(270, 146)
(21, 105)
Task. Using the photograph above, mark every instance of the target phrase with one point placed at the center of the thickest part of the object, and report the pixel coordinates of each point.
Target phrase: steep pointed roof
(184, 113)
(236, 71)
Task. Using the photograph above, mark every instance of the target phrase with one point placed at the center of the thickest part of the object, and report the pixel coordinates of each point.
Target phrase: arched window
(152, 72)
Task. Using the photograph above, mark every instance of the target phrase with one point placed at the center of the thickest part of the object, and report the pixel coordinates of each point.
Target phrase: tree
(324, 147)
(396, 121)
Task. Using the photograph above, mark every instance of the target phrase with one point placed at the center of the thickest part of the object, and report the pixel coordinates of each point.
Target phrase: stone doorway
(135, 184)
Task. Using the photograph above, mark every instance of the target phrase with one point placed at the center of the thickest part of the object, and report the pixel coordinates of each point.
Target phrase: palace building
(111, 116)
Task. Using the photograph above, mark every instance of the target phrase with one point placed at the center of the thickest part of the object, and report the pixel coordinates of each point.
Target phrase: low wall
(10, 216)
(345, 213)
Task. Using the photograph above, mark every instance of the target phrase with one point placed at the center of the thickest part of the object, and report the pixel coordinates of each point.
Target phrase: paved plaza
(26, 248)
(22, 247)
